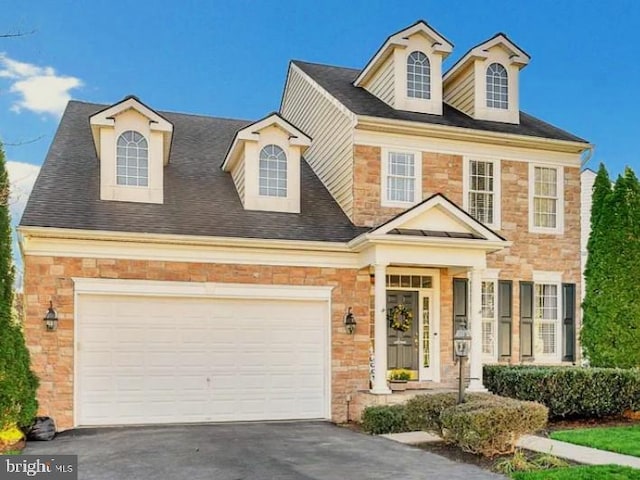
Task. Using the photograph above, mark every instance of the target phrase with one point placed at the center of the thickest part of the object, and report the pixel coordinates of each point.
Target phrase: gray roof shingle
(338, 81)
(199, 198)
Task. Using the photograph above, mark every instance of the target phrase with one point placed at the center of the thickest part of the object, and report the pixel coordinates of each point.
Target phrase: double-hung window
(546, 199)
(482, 190)
(546, 320)
(401, 173)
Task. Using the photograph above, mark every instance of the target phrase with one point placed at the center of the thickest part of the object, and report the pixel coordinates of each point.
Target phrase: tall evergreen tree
(18, 384)
(611, 331)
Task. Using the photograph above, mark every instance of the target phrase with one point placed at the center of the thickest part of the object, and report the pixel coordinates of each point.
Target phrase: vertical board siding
(382, 85)
(459, 93)
(331, 151)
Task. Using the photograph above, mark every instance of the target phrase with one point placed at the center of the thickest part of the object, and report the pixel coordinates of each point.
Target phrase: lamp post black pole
(460, 382)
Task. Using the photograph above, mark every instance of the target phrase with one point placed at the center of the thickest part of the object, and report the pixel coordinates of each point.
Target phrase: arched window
(273, 171)
(418, 76)
(497, 87)
(132, 160)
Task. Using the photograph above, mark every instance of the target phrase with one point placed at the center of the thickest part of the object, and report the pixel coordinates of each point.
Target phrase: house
(206, 269)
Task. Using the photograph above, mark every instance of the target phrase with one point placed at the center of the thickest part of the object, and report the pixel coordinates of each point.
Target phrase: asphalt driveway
(250, 451)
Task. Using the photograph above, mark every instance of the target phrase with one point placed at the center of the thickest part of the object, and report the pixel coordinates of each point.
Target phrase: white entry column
(380, 386)
(475, 321)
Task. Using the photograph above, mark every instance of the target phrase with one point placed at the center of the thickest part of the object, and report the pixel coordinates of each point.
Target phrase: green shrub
(384, 419)
(491, 426)
(18, 384)
(423, 411)
(400, 374)
(568, 391)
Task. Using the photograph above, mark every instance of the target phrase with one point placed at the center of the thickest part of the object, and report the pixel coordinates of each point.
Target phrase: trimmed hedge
(382, 419)
(485, 424)
(492, 426)
(568, 391)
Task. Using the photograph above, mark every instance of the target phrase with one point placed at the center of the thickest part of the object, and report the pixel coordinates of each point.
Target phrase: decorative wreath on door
(400, 318)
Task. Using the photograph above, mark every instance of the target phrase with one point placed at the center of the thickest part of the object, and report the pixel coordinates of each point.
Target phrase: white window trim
(384, 168)
(548, 278)
(491, 275)
(406, 66)
(126, 185)
(559, 228)
(497, 190)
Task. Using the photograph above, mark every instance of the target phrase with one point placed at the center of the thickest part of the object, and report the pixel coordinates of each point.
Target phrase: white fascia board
(159, 288)
(105, 117)
(40, 241)
(251, 133)
(300, 137)
(366, 240)
(518, 56)
(391, 126)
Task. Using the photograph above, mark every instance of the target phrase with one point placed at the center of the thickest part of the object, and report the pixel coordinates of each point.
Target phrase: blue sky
(230, 58)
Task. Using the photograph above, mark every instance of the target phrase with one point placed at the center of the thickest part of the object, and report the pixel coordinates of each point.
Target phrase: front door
(403, 347)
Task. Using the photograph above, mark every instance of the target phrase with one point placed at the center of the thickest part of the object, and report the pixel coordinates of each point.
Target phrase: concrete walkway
(577, 453)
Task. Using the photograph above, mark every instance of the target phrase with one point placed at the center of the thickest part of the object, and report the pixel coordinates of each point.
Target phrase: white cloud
(39, 89)
(21, 179)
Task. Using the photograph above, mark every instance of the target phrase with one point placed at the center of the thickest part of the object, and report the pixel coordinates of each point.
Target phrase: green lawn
(614, 439)
(596, 472)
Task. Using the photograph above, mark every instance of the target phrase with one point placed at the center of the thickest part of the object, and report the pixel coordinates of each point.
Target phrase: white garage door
(164, 360)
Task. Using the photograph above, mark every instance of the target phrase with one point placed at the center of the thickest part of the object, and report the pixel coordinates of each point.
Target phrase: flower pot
(398, 385)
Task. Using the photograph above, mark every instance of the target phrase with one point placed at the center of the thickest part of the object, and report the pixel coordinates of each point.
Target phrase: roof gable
(517, 55)
(437, 216)
(400, 38)
(107, 116)
(252, 133)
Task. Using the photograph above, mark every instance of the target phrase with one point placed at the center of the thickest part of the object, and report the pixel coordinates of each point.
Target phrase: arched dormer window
(418, 76)
(132, 160)
(497, 87)
(273, 172)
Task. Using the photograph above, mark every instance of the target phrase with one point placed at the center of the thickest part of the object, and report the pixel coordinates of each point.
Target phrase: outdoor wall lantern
(51, 318)
(350, 322)
(461, 345)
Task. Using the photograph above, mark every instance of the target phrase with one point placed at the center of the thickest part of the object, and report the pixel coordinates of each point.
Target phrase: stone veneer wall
(52, 352)
(442, 173)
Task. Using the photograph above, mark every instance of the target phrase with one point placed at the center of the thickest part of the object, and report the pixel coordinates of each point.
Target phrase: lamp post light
(462, 345)
(350, 322)
(51, 318)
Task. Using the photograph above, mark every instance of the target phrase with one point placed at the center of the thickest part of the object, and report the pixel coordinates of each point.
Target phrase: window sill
(547, 231)
(397, 204)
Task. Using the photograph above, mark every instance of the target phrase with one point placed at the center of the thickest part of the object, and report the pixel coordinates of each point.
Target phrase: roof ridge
(170, 112)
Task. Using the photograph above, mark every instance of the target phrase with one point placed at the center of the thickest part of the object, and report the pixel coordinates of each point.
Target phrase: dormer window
(418, 76)
(273, 171)
(132, 165)
(497, 87)
(406, 71)
(264, 162)
(133, 144)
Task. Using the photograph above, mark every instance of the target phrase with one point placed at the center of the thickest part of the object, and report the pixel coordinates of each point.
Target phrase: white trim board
(106, 286)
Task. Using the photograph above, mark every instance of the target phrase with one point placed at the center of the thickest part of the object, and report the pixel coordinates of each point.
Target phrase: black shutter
(505, 316)
(460, 303)
(568, 322)
(526, 320)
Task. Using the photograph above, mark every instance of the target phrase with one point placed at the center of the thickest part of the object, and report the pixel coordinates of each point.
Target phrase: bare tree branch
(23, 142)
(17, 34)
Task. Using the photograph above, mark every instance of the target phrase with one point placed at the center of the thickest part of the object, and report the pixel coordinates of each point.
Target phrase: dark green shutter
(526, 320)
(505, 316)
(568, 322)
(460, 303)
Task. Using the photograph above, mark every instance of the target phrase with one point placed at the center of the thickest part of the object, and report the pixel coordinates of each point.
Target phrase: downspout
(586, 156)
